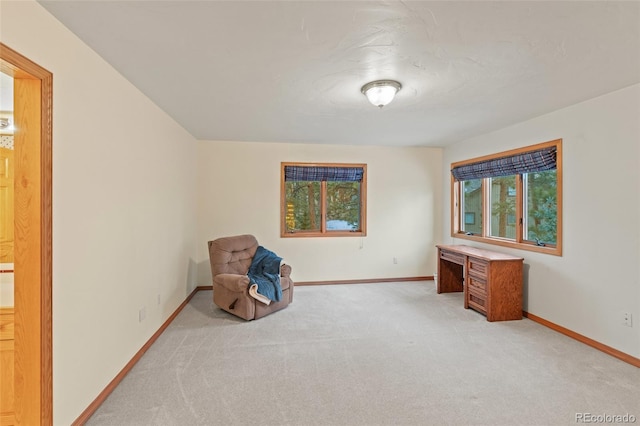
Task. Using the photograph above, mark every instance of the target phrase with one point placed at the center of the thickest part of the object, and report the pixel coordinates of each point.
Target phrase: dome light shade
(381, 92)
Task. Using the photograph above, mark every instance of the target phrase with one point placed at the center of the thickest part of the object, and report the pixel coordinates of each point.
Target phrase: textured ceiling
(292, 71)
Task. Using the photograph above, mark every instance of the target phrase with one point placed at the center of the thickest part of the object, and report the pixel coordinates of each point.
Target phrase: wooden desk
(491, 281)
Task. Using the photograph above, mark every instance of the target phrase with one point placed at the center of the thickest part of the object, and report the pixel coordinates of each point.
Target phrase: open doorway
(7, 224)
(32, 241)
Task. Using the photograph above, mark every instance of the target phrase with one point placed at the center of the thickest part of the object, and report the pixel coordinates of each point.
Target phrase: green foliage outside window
(503, 205)
(542, 207)
(343, 205)
(303, 206)
(472, 199)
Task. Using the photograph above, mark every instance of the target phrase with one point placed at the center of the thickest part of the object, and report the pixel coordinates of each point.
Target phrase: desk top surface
(478, 252)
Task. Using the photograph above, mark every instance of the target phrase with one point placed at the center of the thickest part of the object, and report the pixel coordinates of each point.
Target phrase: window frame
(323, 232)
(519, 242)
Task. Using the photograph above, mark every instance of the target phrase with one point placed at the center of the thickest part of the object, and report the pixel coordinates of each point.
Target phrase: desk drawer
(478, 267)
(478, 284)
(478, 301)
(452, 257)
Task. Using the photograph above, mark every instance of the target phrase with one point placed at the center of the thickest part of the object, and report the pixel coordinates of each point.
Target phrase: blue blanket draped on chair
(265, 272)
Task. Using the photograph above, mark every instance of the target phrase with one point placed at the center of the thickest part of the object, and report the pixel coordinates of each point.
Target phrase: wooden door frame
(36, 406)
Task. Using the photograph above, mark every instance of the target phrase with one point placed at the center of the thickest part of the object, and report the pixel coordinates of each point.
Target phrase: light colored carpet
(367, 354)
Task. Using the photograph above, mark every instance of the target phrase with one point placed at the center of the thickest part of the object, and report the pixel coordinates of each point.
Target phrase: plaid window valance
(320, 173)
(526, 162)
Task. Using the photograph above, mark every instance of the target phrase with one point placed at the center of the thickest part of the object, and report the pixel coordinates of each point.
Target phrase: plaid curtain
(527, 162)
(315, 174)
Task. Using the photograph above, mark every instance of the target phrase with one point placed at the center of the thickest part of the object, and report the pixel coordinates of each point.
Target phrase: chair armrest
(285, 270)
(232, 282)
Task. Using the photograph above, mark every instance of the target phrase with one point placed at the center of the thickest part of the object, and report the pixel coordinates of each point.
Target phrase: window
(471, 206)
(323, 200)
(511, 198)
(502, 206)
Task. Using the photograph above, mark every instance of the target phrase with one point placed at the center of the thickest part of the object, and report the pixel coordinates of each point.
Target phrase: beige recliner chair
(230, 261)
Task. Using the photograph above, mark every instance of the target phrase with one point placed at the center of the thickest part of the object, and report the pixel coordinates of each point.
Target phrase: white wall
(597, 278)
(123, 210)
(239, 193)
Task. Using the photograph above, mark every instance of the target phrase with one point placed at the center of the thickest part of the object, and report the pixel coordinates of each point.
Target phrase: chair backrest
(232, 255)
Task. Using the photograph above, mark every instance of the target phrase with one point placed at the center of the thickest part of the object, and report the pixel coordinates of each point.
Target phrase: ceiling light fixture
(381, 92)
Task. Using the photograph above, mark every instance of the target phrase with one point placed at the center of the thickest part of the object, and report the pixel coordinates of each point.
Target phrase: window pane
(302, 206)
(343, 206)
(471, 220)
(503, 207)
(541, 207)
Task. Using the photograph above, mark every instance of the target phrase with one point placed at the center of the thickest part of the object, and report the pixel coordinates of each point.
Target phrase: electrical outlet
(395, 260)
(142, 314)
(627, 319)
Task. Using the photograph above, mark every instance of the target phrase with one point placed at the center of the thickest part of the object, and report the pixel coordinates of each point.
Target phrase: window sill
(328, 234)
